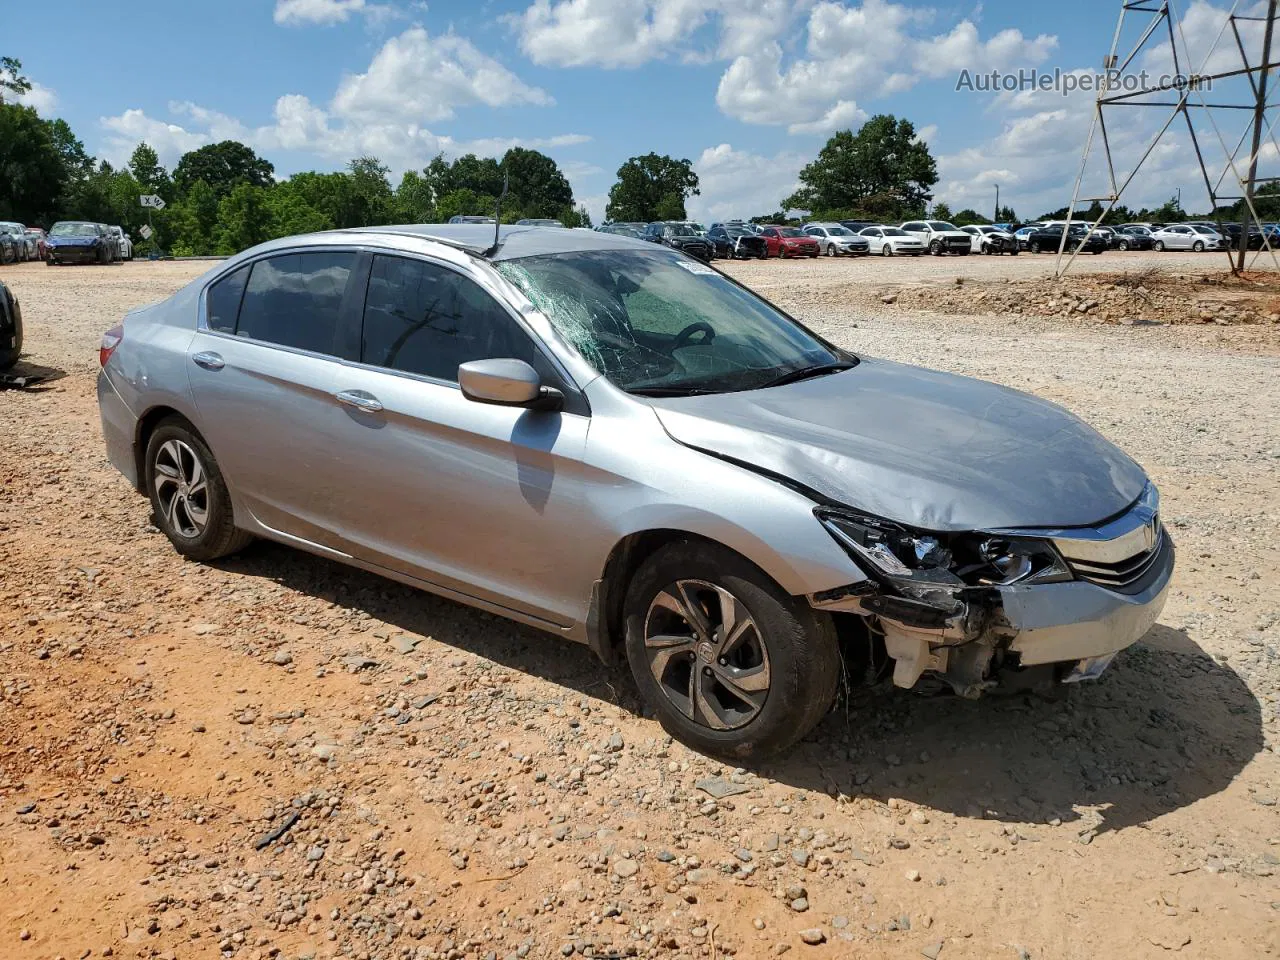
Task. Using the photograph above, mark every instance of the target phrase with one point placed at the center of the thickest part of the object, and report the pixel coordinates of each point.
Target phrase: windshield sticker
(699, 268)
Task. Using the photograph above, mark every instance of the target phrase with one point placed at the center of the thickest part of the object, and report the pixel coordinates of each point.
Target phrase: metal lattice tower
(1185, 95)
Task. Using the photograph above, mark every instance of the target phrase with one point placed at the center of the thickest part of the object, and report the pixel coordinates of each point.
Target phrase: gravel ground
(451, 785)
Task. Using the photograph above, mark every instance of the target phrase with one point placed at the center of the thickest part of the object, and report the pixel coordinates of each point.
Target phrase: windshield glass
(791, 232)
(894, 232)
(654, 321)
(73, 229)
(941, 225)
(1205, 230)
(680, 230)
(839, 231)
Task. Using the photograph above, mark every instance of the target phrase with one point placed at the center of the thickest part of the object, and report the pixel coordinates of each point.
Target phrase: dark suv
(680, 236)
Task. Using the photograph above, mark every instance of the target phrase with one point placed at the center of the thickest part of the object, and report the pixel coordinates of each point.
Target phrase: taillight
(110, 340)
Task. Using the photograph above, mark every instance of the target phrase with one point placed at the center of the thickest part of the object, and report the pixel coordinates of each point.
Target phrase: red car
(788, 242)
(38, 235)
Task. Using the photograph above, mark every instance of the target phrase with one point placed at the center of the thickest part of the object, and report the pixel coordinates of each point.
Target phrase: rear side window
(295, 300)
(426, 319)
(223, 300)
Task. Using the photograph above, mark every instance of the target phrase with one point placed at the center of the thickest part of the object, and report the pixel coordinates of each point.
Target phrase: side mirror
(507, 383)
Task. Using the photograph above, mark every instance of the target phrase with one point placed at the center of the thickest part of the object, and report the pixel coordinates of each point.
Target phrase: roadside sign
(145, 231)
(152, 200)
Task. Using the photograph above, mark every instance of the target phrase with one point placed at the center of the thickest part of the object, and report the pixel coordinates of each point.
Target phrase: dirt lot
(467, 788)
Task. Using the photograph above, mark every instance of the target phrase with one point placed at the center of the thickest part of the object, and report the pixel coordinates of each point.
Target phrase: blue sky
(747, 89)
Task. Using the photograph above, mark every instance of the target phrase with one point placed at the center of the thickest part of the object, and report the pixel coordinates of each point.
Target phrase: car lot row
(67, 241)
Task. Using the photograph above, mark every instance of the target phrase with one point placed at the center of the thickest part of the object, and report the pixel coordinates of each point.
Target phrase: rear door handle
(208, 359)
(360, 399)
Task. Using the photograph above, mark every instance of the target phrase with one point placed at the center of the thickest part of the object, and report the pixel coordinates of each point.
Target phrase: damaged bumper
(1076, 626)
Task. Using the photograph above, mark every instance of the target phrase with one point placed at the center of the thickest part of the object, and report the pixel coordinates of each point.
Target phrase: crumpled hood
(926, 449)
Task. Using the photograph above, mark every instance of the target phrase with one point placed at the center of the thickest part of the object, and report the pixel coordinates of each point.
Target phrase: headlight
(913, 561)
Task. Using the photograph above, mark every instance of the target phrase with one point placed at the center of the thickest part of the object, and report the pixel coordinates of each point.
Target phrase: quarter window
(222, 302)
(295, 300)
(426, 319)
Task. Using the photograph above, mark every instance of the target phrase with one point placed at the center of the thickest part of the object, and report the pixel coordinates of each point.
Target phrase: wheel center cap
(706, 652)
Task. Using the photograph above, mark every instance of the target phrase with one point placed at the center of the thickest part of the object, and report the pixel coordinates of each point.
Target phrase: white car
(1180, 236)
(989, 239)
(892, 241)
(124, 243)
(940, 237)
(835, 240)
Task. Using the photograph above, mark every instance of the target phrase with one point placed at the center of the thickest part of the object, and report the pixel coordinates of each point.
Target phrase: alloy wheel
(707, 654)
(182, 489)
(886, 250)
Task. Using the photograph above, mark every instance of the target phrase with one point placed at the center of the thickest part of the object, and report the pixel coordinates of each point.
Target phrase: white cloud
(417, 77)
(414, 79)
(41, 97)
(608, 33)
(328, 12)
(738, 183)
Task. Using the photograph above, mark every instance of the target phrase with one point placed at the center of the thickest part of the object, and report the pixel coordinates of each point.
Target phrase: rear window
(295, 300)
(222, 302)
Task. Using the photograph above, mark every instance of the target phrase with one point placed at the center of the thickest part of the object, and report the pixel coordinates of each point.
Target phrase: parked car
(1180, 236)
(1131, 238)
(939, 237)
(458, 218)
(989, 239)
(1049, 238)
(538, 222)
(720, 501)
(113, 243)
(835, 239)
(857, 226)
(124, 243)
(741, 242)
(633, 230)
(1232, 236)
(891, 241)
(79, 241)
(787, 242)
(1022, 234)
(37, 236)
(14, 246)
(10, 328)
(679, 236)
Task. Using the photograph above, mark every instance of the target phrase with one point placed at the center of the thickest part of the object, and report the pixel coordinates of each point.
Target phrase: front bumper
(82, 254)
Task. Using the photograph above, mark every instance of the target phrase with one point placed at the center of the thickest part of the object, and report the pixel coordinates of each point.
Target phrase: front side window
(295, 300)
(427, 319)
(656, 323)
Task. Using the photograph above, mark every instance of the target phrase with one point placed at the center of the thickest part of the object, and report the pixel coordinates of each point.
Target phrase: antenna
(1235, 73)
(497, 217)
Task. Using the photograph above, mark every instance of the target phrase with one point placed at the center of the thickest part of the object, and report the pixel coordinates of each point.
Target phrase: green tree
(333, 194)
(244, 219)
(372, 191)
(464, 203)
(537, 187)
(577, 217)
(144, 164)
(190, 227)
(941, 211)
(33, 174)
(652, 187)
(223, 166)
(291, 214)
(968, 216)
(1006, 215)
(77, 163)
(884, 161)
(414, 201)
(12, 82)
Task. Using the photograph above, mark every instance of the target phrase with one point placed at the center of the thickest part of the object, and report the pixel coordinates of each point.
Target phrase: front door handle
(360, 399)
(208, 359)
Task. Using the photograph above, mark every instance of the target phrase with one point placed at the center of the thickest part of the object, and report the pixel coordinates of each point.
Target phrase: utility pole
(1259, 118)
(996, 216)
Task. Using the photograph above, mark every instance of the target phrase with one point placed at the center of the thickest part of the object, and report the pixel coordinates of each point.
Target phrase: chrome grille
(1121, 573)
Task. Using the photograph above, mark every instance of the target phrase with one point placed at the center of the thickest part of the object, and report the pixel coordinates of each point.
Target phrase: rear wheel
(731, 664)
(191, 502)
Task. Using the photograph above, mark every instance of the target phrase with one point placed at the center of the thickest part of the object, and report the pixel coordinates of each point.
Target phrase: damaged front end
(974, 609)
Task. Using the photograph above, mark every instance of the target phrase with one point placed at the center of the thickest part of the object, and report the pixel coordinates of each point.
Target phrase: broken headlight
(915, 562)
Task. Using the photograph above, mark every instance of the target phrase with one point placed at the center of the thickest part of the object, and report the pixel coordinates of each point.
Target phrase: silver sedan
(617, 444)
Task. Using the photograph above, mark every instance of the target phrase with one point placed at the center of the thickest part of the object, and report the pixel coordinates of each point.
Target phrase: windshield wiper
(670, 392)
(805, 373)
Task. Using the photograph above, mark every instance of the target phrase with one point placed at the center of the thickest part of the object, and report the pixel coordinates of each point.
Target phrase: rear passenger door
(470, 496)
(264, 374)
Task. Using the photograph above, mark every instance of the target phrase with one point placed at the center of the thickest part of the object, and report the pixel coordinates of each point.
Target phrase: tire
(831, 250)
(935, 248)
(1033, 246)
(174, 444)
(51, 262)
(1096, 251)
(9, 355)
(795, 645)
(886, 250)
(1198, 246)
(1122, 246)
(1013, 252)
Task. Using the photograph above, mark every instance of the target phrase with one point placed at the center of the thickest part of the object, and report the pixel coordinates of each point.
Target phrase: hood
(927, 449)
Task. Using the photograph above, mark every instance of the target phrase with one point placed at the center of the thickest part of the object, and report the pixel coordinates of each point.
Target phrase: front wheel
(188, 495)
(1198, 246)
(831, 250)
(1122, 246)
(1033, 246)
(935, 248)
(1158, 246)
(731, 664)
(886, 250)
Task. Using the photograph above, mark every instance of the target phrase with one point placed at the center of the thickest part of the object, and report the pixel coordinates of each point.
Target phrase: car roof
(517, 241)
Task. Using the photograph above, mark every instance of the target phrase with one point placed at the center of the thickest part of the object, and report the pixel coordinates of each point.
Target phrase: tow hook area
(950, 638)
